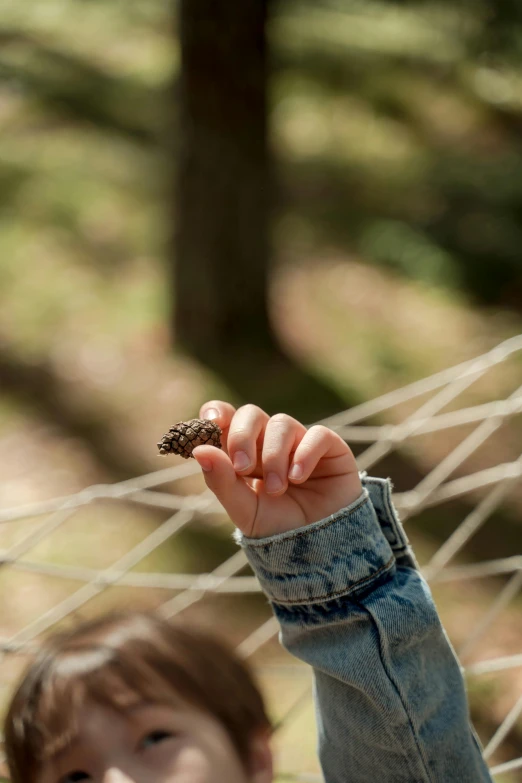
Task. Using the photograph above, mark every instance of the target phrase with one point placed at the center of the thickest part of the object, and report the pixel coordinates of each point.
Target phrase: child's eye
(72, 777)
(154, 737)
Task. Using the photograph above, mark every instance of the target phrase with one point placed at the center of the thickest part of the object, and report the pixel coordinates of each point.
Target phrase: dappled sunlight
(392, 253)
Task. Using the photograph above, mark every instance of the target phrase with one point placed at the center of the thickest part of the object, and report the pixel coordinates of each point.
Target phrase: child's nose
(114, 775)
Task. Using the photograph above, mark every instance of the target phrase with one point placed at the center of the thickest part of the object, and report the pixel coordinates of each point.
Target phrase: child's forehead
(74, 688)
(100, 723)
(135, 712)
(95, 726)
(109, 688)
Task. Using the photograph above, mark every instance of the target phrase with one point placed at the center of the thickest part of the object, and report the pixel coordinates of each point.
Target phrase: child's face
(150, 743)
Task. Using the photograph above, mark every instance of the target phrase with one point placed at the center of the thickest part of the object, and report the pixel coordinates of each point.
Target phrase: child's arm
(389, 692)
(390, 697)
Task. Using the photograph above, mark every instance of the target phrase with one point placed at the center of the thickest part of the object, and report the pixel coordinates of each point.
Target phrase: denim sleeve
(389, 692)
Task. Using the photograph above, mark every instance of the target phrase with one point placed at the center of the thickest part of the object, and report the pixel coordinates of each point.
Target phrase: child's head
(131, 698)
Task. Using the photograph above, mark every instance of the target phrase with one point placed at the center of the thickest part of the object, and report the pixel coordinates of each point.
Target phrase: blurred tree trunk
(221, 244)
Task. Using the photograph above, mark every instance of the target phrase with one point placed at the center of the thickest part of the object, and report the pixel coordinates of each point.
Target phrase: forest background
(298, 204)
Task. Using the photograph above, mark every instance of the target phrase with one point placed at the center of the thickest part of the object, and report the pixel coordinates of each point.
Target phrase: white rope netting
(436, 488)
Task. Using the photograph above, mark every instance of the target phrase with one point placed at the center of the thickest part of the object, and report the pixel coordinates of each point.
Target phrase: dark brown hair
(121, 656)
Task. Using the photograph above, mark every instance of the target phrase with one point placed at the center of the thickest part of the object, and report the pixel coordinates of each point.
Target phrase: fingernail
(273, 483)
(241, 460)
(212, 413)
(205, 464)
(296, 471)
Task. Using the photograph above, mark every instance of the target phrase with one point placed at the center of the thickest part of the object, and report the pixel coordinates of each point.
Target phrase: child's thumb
(237, 498)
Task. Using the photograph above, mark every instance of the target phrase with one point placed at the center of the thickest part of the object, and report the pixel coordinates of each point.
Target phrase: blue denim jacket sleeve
(389, 693)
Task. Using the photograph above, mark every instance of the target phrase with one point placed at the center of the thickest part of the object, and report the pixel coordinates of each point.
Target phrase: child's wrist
(323, 560)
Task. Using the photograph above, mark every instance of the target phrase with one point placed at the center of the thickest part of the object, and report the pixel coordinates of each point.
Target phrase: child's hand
(274, 445)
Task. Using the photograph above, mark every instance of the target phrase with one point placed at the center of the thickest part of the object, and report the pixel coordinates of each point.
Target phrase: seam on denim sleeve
(300, 532)
(385, 487)
(394, 514)
(337, 593)
(391, 680)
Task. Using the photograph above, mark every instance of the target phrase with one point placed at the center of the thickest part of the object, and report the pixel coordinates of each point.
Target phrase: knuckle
(319, 431)
(305, 451)
(281, 418)
(271, 455)
(249, 407)
(238, 437)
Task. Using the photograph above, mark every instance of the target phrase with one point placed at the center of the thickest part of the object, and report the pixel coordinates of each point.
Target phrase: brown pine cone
(186, 435)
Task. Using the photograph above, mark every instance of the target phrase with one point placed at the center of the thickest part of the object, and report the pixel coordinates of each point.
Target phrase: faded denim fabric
(389, 693)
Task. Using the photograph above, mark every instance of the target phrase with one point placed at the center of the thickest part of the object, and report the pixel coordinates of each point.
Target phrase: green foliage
(82, 116)
(396, 128)
(402, 125)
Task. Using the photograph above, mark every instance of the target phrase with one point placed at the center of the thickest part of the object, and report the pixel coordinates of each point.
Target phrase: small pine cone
(184, 436)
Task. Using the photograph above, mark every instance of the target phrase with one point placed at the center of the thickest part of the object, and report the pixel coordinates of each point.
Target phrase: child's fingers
(224, 409)
(319, 443)
(225, 413)
(282, 435)
(237, 497)
(245, 432)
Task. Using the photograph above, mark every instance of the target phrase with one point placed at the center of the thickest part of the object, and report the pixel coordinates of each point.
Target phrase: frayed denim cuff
(335, 556)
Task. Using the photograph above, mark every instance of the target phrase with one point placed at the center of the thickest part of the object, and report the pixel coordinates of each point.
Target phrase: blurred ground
(332, 319)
